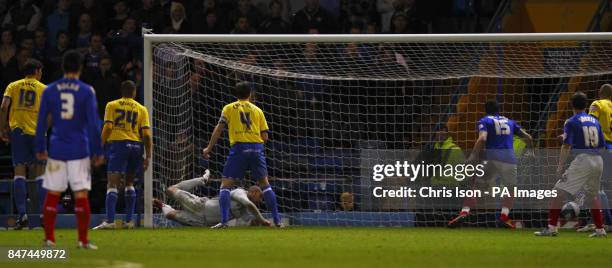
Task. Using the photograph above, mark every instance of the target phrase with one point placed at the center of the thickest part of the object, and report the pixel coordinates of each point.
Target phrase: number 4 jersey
(73, 109)
(128, 118)
(500, 133)
(583, 133)
(245, 122)
(25, 101)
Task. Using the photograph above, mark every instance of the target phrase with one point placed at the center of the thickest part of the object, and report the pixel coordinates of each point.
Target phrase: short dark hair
(491, 107)
(242, 90)
(579, 100)
(127, 88)
(31, 66)
(72, 61)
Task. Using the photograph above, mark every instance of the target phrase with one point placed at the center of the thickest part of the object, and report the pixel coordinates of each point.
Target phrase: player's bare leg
(82, 213)
(270, 199)
(224, 202)
(130, 200)
(20, 192)
(111, 201)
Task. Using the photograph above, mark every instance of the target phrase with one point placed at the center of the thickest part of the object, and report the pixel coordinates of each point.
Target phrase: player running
(204, 211)
(23, 98)
(582, 136)
(126, 129)
(495, 134)
(75, 138)
(248, 130)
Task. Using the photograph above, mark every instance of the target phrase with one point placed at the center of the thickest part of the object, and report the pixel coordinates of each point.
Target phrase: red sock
(554, 212)
(49, 213)
(596, 213)
(81, 209)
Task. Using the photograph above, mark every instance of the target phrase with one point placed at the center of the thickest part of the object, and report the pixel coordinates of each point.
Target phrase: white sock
(552, 227)
(465, 209)
(505, 211)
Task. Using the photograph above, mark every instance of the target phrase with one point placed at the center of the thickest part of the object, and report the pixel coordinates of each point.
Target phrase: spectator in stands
(245, 9)
(54, 57)
(209, 19)
(58, 21)
(125, 43)
(14, 67)
(243, 26)
(94, 53)
(27, 43)
(372, 28)
(8, 49)
(96, 11)
(23, 16)
(106, 82)
(355, 28)
(386, 8)
(313, 16)
(40, 45)
(122, 12)
(402, 23)
(274, 23)
(148, 14)
(84, 35)
(178, 23)
(347, 201)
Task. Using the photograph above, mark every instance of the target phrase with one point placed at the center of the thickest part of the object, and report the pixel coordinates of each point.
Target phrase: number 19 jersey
(245, 122)
(25, 101)
(583, 133)
(128, 118)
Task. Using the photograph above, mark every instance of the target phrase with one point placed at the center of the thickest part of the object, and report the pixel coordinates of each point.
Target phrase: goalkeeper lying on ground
(204, 211)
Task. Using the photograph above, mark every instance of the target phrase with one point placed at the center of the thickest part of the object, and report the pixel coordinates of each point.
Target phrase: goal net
(337, 106)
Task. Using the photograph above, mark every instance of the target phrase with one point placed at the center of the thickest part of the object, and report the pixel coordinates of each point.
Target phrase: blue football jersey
(500, 132)
(74, 118)
(583, 133)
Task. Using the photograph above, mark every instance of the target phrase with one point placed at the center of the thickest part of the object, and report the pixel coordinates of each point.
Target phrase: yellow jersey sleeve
(144, 119)
(108, 113)
(595, 109)
(263, 124)
(9, 91)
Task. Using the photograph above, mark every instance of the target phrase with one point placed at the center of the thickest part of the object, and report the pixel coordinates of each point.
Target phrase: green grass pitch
(321, 247)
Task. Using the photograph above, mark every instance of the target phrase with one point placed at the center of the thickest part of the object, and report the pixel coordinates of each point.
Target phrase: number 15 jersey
(500, 134)
(128, 118)
(245, 122)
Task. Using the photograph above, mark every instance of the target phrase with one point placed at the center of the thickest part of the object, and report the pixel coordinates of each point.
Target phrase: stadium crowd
(109, 36)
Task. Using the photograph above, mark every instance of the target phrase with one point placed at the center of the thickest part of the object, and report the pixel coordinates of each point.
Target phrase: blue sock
(224, 204)
(42, 193)
(19, 188)
(271, 204)
(130, 202)
(605, 207)
(111, 204)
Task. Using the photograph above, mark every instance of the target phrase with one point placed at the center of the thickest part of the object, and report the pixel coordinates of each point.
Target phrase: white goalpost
(339, 104)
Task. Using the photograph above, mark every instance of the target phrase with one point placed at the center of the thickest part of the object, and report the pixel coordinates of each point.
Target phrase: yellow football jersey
(602, 109)
(25, 102)
(128, 118)
(245, 122)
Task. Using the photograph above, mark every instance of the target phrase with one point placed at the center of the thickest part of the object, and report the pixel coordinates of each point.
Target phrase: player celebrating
(203, 211)
(602, 110)
(23, 97)
(75, 137)
(124, 121)
(248, 130)
(495, 134)
(581, 134)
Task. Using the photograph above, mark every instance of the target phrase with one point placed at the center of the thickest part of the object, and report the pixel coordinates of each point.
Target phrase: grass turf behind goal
(325, 247)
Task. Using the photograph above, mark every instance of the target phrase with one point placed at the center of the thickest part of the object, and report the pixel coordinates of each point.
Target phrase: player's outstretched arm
(213, 139)
(478, 146)
(528, 140)
(4, 130)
